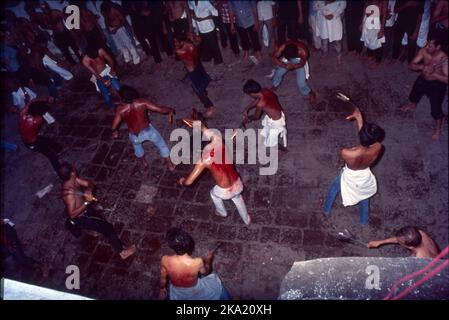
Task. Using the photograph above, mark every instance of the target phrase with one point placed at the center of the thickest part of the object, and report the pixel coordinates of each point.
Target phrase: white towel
(106, 72)
(272, 129)
(357, 185)
(53, 65)
(206, 288)
(371, 28)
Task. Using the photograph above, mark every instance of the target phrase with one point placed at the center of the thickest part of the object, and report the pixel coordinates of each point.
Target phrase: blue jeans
(332, 194)
(54, 84)
(300, 77)
(149, 134)
(115, 83)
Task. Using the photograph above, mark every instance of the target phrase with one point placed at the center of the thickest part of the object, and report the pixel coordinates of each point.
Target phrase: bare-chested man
(432, 62)
(274, 121)
(293, 55)
(77, 194)
(182, 270)
(190, 55)
(53, 20)
(356, 181)
(102, 66)
(440, 19)
(416, 240)
(30, 122)
(89, 26)
(115, 23)
(229, 186)
(133, 110)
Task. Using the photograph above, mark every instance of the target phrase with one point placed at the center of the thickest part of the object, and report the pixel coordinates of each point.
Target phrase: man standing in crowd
(432, 62)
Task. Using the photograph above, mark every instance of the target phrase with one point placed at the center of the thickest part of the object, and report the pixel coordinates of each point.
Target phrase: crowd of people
(113, 34)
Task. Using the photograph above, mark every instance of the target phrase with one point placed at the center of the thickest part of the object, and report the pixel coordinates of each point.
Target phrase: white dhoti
(357, 185)
(105, 73)
(53, 66)
(272, 130)
(371, 28)
(206, 288)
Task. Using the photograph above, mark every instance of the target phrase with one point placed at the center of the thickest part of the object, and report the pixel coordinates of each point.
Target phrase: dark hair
(65, 171)
(370, 133)
(181, 36)
(180, 241)
(290, 51)
(128, 94)
(410, 236)
(252, 86)
(437, 38)
(38, 108)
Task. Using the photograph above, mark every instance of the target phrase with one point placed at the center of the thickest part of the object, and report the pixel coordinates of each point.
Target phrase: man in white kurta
(329, 25)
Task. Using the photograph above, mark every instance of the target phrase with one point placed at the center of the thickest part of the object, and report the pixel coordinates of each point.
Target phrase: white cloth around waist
(272, 129)
(357, 185)
(206, 288)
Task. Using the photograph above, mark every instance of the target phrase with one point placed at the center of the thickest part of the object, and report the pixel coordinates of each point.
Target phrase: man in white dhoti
(373, 28)
(273, 123)
(356, 181)
(329, 25)
(182, 272)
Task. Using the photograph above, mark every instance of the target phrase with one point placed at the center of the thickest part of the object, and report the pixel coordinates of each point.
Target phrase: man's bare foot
(273, 88)
(126, 253)
(209, 113)
(408, 106)
(170, 165)
(312, 98)
(436, 136)
(144, 162)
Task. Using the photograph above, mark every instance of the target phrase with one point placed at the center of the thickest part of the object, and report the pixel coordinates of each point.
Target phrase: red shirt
(29, 127)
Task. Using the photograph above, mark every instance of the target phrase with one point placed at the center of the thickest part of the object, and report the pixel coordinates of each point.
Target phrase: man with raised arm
(356, 181)
(133, 110)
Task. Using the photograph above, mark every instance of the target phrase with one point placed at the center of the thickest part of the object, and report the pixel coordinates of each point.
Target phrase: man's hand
(329, 16)
(356, 114)
(181, 181)
(163, 293)
(106, 82)
(373, 244)
(88, 196)
(428, 69)
(115, 134)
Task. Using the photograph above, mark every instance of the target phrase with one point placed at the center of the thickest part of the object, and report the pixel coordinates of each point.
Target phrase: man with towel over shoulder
(356, 181)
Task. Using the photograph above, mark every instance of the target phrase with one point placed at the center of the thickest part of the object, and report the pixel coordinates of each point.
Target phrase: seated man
(293, 55)
(274, 121)
(183, 271)
(77, 196)
(216, 159)
(102, 67)
(416, 240)
(133, 110)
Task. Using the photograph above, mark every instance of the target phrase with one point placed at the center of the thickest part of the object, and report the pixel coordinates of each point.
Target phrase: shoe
(126, 253)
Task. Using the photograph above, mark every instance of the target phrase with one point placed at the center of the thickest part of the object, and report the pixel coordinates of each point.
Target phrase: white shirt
(202, 10)
(18, 97)
(330, 29)
(265, 10)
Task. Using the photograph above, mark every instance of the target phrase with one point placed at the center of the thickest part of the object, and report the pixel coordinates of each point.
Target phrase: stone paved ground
(287, 223)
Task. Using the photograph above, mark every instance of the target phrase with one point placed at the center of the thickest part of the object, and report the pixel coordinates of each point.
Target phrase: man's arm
(153, 107)
(257, 114)
(116, 123)
(249, 107)
(199, 167)
(438, 14)
(86, 63)
(378, 243)
(69, 201)
(357, 115)
(277, 54)
(300, 15)
(206, 268)
(163, 280)
(442, 77)
(416, 64)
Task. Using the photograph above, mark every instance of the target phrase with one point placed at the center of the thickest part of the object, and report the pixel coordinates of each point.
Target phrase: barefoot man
(293, 55)
(183, 271)
(356, 181)
(189, 54)
(103, 68)
(77, 196)
(133, 110)
(274, 121)
(416, 240)
(229, 186)
(432, 62)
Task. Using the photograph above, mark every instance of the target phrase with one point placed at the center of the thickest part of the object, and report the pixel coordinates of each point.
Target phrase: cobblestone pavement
(287, 223)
